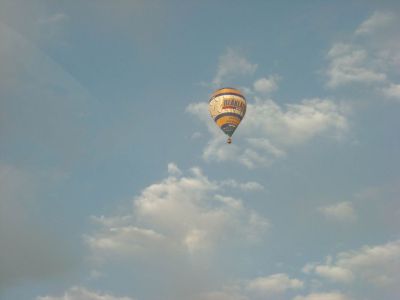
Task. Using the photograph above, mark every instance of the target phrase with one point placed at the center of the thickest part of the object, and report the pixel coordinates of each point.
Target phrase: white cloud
(220, 296)
(173, 169)
(388, 51)
(180, 214)
(53, 19)
(233, 292)
(52, 28)
(342, 211)
(266, 146)
(296, 123)
(232, 65)
(375, 264)
(378, 20)
(276, 283)
(245, 186)
(200, 110)
(112, 221)
(216, 150)
(248, 156)
(392, 91)
(374, 59)
(127, 240)
(349, 64)
(334, 273)
(81, 293)
(180, 225)
(266, 85)
(196, 135)
(323, 296)
(95, 274)
(270, 130)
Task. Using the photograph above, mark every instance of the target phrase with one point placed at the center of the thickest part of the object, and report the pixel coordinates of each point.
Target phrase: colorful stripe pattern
(227, 107)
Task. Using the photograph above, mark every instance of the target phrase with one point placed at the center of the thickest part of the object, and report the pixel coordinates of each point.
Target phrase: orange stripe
(228, 119)
(226, 91)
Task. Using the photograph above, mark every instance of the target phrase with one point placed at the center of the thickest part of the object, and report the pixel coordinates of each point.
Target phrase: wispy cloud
(378, 20)
(174, 170)
(82, 293)
(274, 284)
(392, 91)
(266, 85)
(374, 264)
(342, 211)
(270, 130)
(232, 292)
(245, 186)
(323, 296)
(232, 65)
(53, 19)
(371, 58)
(349, 64)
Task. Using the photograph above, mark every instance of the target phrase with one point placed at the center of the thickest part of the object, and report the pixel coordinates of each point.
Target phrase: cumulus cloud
(81, 293)
(323, 296)
(182, 224)
(232, 65)
(378, 20)
(342, 211)
(270, 130)
(276, 283)
(266, 85)
(378, 265)
(180, 214)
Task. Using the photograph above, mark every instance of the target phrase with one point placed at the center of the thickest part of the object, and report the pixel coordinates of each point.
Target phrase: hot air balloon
(227, 107)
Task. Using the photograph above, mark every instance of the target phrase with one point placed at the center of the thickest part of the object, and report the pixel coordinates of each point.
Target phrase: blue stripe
(228, 114)
(228, 94)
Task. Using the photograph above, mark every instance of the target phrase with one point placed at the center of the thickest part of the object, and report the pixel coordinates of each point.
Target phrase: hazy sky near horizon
(115, 183)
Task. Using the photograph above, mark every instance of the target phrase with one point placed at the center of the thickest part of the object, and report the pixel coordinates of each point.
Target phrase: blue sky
(115, 183)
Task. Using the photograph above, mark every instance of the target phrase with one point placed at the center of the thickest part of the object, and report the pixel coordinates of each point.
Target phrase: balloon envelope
(227, 107)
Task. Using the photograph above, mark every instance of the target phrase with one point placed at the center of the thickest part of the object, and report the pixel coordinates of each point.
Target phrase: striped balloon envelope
(227, 107)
